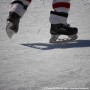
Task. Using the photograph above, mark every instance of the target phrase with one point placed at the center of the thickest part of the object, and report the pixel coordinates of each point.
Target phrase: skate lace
(67, 25)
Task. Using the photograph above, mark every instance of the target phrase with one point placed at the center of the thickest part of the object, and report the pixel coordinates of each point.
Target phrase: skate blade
(65, 40)
(53, 38)
(9, 32)
(62, 41)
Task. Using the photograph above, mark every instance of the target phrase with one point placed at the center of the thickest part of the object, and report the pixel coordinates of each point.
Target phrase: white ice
(30, 62)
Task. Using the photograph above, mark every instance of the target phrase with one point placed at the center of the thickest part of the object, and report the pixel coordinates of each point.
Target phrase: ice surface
(30, 62)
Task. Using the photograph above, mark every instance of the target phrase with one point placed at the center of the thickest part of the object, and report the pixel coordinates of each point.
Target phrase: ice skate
(12, 24)
(61, 29)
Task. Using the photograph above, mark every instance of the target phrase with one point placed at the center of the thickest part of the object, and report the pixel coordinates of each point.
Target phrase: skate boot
(12, 24)
(61, 29)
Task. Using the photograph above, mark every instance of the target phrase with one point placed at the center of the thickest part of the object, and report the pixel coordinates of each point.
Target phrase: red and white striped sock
(60, 13)
(19, 6)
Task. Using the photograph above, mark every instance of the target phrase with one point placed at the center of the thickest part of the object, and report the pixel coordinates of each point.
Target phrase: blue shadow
(48, 46)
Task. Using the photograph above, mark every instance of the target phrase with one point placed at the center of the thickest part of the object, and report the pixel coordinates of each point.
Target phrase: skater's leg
(19, 6)
(58, 19)
(60, 13)
(16, 11)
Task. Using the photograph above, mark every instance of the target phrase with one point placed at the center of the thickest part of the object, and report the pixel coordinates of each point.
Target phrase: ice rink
(29, 62)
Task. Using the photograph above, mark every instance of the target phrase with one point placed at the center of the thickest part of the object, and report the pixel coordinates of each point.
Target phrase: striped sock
(60, 13)
(19, 6)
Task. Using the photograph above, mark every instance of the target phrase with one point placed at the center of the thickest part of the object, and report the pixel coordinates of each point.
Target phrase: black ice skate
(12, 24)
(61, 29)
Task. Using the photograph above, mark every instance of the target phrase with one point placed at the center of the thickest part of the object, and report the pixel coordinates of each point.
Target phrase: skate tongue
(9, 32)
